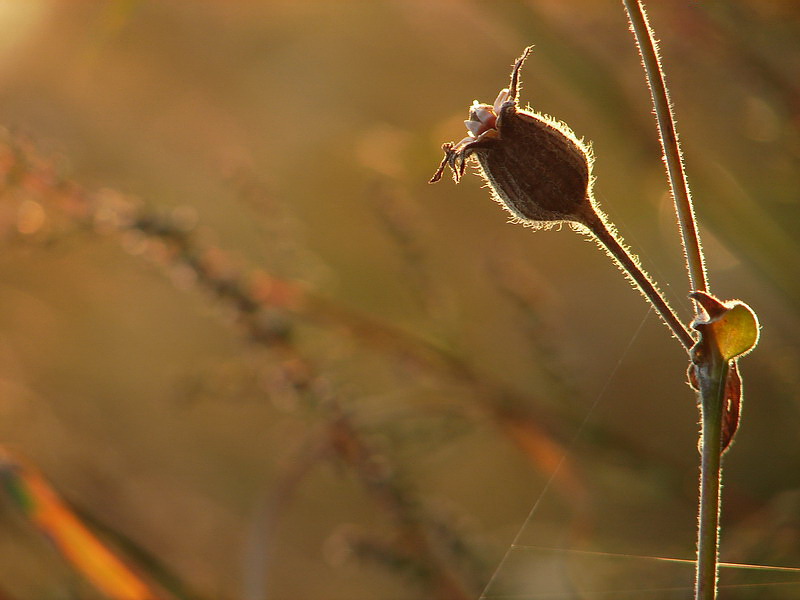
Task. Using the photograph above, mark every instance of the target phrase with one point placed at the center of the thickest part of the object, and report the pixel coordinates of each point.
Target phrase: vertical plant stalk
(712, 403)
(711, 367)
(648, 50)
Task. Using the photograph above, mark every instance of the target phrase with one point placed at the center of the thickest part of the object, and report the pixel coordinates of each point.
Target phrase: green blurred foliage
(299, 136)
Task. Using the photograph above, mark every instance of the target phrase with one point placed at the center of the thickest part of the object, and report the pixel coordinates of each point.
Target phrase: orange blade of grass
(87, 554)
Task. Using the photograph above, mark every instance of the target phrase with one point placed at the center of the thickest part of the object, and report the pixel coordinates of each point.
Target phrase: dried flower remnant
(537, 168)
(541, 172)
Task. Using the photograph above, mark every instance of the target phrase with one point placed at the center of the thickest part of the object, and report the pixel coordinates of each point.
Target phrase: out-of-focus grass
(277, 130)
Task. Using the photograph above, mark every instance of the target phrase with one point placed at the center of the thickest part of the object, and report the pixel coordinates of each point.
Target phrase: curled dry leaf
(732, 407)
(731, 331)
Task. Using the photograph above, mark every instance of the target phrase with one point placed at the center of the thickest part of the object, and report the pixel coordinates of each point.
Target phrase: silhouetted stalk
(712, 403)
(711, 369)
(648, 50)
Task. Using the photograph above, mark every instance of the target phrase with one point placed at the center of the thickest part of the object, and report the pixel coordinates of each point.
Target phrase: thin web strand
(634, 593)
(688, 561)
(567, 452)
(676, 299)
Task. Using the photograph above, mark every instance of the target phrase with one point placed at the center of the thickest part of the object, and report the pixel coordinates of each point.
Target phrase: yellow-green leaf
(734, 325)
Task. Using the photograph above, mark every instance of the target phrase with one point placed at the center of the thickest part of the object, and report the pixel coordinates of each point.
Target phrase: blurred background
(260, 357)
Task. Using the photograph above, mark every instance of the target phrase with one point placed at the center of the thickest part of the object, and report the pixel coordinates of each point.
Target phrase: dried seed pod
(536, 166)
(541, 173)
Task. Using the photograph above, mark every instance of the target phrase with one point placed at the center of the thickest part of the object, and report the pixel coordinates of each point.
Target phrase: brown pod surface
(537, 171)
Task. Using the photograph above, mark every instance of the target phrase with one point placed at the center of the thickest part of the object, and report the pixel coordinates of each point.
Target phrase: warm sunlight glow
(18, 21)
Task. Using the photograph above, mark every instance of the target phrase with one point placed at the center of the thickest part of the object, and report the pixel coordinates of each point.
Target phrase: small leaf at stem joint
(733, 323)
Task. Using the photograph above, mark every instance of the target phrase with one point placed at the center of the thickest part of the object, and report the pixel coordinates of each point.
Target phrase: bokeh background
(382, 424)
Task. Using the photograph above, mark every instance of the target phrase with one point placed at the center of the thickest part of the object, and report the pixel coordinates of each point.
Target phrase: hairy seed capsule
(542, 174)
(536, 166)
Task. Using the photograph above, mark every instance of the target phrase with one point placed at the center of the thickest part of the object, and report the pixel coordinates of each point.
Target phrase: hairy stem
(712, 398)
(712, 369)
(673, 158)
(606, 237)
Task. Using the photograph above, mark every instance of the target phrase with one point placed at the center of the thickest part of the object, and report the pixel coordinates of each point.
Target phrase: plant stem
(712, 399)
(711, 367)
(673, 158)
(606, 237)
